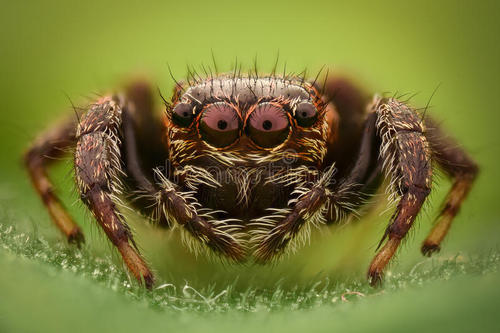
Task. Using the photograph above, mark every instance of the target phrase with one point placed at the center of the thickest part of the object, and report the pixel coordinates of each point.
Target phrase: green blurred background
(55, 51)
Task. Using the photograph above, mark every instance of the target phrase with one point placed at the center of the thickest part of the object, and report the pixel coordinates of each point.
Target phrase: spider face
(240, 135)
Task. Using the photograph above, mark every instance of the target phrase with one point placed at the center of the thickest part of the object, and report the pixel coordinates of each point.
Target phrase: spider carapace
(246, 165)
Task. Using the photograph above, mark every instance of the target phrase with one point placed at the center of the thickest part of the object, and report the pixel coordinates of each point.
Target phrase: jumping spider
(252, 163)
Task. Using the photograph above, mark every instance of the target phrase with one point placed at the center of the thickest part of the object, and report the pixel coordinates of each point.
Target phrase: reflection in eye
(268, 125)
(220, 124)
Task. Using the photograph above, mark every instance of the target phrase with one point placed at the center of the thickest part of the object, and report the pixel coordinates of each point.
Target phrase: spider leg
(350, 103)
(324, 200)
(158, 193)
(458, 166)
(145, 129)
(272, 243)
(406, 160)
(142, 129)
(219, 235)
(45, 150)
(98, 173)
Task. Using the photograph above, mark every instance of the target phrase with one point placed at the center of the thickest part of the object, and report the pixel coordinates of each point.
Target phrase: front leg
(323, 201)
(406, 158)
(273, 233)
(405, 155)
(221, 236)
(98, 170)
(171, 204)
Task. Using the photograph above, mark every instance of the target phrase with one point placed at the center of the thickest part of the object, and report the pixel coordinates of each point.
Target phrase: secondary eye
(306, 114)
(182, 115)
(268, 125)
(220, 124)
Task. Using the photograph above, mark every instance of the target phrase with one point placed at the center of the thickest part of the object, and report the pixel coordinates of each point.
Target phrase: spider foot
(272, 246)
(375, 278)
(136, 265)
(217, 236)
(76, 237)
(428, 249)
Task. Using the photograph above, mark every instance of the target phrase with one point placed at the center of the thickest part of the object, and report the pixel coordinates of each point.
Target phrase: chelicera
(245, 165)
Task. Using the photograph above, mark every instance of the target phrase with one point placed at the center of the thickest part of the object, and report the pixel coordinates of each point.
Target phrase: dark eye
(220, 124)
(268, 125)
(306, 114)
(182, 115)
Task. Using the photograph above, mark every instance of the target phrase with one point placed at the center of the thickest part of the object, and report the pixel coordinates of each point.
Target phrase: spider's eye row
(306, 114)
(268, 125)
(182, 114)
(220, 124)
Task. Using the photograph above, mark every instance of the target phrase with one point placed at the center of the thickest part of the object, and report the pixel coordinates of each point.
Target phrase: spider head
(245, 133)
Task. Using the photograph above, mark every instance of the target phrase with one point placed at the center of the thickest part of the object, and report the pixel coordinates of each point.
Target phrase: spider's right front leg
(98, 171)
(174, 205)
(221, 236)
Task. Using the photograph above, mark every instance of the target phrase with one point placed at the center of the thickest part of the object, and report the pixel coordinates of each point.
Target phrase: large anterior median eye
(268, 125)
(220, 124)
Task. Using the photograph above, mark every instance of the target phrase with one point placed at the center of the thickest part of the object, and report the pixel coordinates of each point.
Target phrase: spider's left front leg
(323, 200)
(405, 155)
(406, 159)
